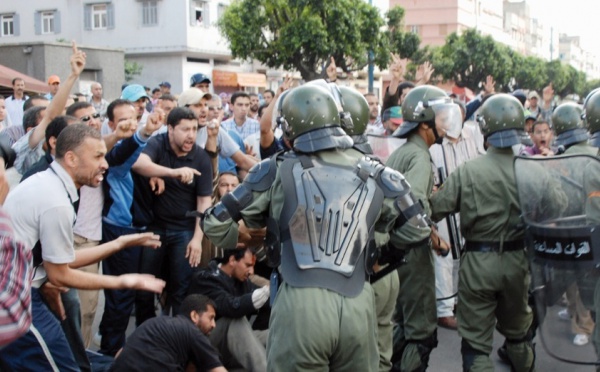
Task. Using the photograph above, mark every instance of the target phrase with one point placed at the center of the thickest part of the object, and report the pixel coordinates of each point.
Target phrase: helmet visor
(448, 118)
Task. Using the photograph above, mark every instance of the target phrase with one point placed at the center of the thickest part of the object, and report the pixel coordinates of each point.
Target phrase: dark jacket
(232, 297)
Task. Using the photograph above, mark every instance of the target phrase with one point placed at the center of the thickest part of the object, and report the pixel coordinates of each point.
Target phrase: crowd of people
(264, 231)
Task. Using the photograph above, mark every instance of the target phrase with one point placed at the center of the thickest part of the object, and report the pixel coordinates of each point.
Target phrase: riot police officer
(428, 115)
(325, 204)
(571, 130)
(494, 277)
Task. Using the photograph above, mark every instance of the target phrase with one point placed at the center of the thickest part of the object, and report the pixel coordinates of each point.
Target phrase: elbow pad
(232, 204)
(394, 185)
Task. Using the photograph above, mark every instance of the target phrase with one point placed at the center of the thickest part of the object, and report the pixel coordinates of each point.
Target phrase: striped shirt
(249, 127)
(15, 284)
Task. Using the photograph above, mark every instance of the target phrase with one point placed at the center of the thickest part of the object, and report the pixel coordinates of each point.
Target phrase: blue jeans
(170, 256)
(72, 328)
(27, 352)
(118, 303)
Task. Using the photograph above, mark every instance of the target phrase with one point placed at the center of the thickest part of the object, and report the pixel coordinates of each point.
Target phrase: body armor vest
(327, 223)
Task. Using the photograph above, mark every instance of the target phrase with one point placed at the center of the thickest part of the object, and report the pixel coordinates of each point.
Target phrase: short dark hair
(167, 97)
(261, 108)
(16, 79)
(195, 302)
(252, 95)
(237, 95)
(110, 110)
(57, 125)
(237, 253)
(540, 122)
(404, 85)
(72, 137)
(269, 91)
(178, 114)
(155, 90)
(369, 94)
(32, 116)
(77, 106)
(29, 102)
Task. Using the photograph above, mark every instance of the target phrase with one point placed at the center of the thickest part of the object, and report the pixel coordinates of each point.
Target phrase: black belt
(515, 245)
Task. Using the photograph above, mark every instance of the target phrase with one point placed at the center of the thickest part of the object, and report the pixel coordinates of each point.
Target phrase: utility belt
(486, 247)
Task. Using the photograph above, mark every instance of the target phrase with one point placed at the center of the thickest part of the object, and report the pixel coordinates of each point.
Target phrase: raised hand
(489, 85)
(77, 60)
(332, 70)
(155, 120)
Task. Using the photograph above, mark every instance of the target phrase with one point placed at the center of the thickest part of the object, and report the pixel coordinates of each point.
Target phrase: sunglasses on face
(88, 117)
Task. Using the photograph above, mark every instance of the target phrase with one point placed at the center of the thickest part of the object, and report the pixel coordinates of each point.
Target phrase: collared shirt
(14, 108)
(46, 216)
(15, 272)
(27, 156)
(13, 133)
(376, 127)
(249, 127)
(100, 107)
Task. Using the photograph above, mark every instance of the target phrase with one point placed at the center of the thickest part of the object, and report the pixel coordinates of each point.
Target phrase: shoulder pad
(261, 176)
(392, 183)
(369, 167)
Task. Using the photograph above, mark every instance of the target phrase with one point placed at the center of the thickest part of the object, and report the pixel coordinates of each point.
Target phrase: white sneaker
(564, 314)
(581, 339)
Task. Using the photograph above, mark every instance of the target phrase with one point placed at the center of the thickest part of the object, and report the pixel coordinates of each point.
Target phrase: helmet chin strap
(438, 139)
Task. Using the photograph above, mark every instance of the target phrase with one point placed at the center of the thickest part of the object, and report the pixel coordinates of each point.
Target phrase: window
(47, 23)
(149, 13)
(99, 17)
(199, 11)
(221, 8)
(8, 25)
(415, 29)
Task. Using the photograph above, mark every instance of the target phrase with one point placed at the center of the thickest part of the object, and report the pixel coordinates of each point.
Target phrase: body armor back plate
(327, 224)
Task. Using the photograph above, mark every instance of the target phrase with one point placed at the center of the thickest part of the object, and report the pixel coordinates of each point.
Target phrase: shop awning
(242, 79)
(31, 84)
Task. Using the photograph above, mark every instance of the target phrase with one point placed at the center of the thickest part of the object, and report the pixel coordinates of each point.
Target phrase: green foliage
(132, 69)
(302, 35)
(467, 60)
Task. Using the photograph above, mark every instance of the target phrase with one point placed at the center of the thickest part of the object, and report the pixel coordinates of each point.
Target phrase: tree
(304, 34)
(467, 60)
(530, 73)
(132, 69)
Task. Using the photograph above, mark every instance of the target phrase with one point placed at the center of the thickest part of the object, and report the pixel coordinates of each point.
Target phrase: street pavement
(446, 357)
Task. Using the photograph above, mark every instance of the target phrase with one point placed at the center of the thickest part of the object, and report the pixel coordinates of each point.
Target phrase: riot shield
(560, 203)
(384, 146)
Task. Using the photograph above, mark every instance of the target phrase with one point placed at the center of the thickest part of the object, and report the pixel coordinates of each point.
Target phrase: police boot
(474, 360)
(521, 355)
(416, 355)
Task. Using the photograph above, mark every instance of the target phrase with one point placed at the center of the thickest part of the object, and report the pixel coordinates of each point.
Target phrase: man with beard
(375, 125)
(181, 236)
(44, 220)
(254, 104)
(167, 344)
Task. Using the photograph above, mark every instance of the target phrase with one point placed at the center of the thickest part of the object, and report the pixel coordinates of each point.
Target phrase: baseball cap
(394, 114)
(165, 84)
(199, 78)
(53, 79)
(533, 94)
(192, 96)
(133, 92)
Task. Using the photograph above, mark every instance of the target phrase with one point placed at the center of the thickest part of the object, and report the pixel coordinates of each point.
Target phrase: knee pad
(521, 353)
(424, 348)
(469, 354)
